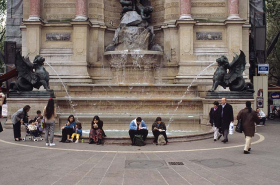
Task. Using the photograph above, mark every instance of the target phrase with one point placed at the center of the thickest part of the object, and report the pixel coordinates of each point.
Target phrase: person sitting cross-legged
(158, 128)
(137, 127)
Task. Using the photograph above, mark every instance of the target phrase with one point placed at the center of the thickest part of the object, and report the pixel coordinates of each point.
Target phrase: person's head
(32, 122)
(79, 125)
(50, 109)
(138, 120)
(95, 119)
(158, 120)
(216, 104)
(71, 118)
(39, 113)
(248, 105)
(258, 110)
(26, 108)
(224, 100)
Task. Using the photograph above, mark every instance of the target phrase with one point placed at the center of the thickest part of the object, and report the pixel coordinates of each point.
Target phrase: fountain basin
(191, 132)
(134, 66)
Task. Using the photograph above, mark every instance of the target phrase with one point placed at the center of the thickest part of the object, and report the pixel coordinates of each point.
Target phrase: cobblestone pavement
(198, 162)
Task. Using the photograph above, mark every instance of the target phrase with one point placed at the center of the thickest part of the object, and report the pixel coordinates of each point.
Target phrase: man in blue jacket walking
(138, 127)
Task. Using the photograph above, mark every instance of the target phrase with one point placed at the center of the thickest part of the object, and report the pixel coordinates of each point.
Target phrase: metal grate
(175, 163)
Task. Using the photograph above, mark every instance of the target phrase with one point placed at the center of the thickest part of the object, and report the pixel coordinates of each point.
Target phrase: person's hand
(155, 128)
(73, 128)
(76, 128)
(68, 123)
(21, 121)
(62, 127)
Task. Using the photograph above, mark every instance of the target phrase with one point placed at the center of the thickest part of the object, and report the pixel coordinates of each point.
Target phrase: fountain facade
(122, 60)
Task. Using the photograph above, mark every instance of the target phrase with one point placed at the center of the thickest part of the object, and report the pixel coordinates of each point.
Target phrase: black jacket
(215, 117)
(226, 116)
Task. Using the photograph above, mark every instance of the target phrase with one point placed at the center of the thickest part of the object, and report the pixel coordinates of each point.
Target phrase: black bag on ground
(1, 128)
(138, 140)
(238, 127)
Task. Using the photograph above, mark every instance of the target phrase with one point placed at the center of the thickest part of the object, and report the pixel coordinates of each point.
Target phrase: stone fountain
(133, 51)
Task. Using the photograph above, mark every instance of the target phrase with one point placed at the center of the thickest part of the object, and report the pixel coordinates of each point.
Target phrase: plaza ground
(202, 162)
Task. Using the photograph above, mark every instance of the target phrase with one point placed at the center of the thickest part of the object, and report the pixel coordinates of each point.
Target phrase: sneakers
(215, 139)
(246, 152)
(77, 141)
(36, 140)
(47, 144)
(52, 144)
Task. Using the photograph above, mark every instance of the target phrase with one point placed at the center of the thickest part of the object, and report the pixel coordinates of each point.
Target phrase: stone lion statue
(234, 78)
(30, 75)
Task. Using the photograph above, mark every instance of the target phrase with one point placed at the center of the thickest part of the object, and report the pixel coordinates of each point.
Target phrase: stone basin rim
(150, 137)
(134, 52)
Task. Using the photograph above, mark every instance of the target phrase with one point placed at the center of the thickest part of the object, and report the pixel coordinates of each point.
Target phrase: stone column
(233, 9)
(81, 10)
(34, 10)
(185, 10)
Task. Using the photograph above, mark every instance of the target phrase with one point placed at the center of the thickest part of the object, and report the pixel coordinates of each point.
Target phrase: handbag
(238, 127)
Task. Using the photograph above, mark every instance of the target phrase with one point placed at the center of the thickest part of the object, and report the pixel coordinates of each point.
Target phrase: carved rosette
(185, 10)
(81, 10)
(34, 10)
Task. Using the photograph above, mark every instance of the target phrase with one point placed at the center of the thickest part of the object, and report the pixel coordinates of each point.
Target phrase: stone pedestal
(134, 67)
(33, 37)
(234, 37)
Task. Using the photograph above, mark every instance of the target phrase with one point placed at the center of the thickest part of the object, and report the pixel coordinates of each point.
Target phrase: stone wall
(189, 47)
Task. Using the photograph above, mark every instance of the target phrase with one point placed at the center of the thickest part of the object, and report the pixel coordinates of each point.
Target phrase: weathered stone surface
(131, 18)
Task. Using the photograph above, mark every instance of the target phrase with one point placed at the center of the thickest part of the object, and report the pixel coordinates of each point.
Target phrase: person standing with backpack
(137, 127)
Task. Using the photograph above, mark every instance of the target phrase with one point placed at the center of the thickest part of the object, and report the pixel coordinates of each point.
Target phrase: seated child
(33, 128)
(78, 132)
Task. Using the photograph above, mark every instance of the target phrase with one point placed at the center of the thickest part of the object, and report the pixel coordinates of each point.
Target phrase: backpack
(161, 140)
(138, 140)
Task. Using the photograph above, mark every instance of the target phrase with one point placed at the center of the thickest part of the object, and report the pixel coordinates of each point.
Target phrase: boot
(99, 142)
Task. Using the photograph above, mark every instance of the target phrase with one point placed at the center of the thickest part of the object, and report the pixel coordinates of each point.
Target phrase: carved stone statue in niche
(134, 32)
(142, 7)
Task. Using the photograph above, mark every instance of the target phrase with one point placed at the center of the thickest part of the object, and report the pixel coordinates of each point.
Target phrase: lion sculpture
(234, 78)
(30, 75)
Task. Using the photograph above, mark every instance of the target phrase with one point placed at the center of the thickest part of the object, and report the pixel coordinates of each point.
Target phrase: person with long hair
(19, 118)
(248, 118)
(49, 115)
(68, 129)
(95, 135)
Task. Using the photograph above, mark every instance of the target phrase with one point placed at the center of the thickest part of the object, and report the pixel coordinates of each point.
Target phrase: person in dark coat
(158, 128)
(215, 120)
(248, 118)
(19, 118)
(226, 118)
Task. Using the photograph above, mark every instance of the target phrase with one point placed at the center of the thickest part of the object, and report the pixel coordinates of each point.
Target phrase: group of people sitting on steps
(72, 130)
